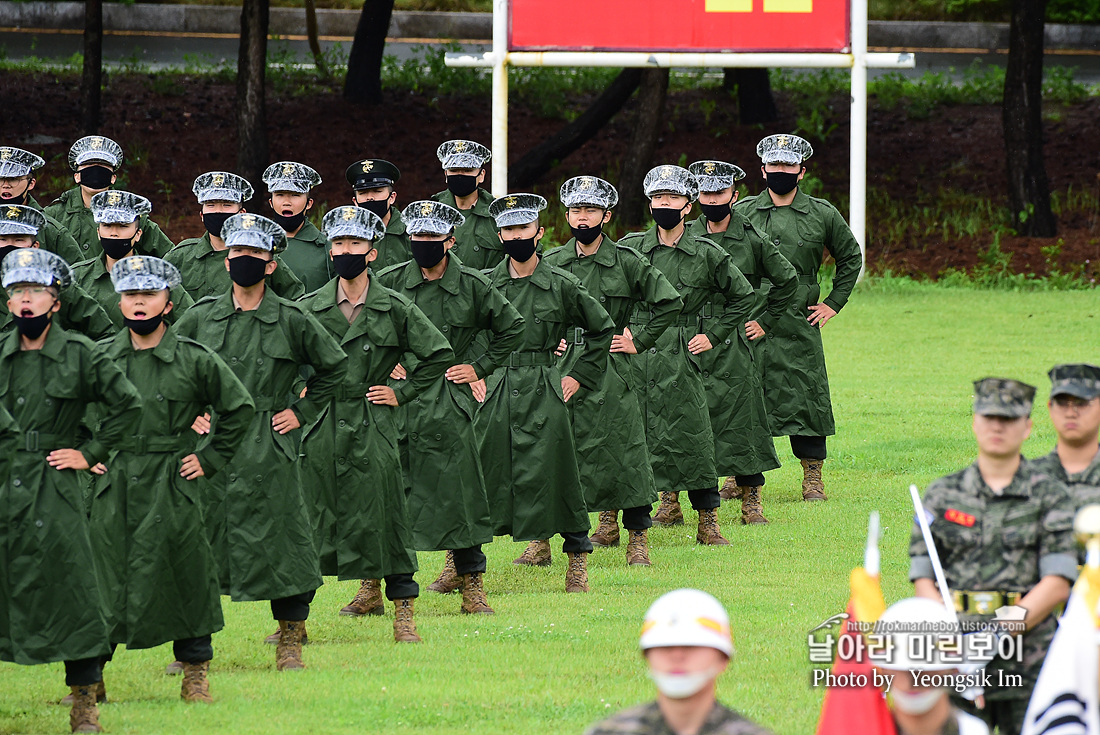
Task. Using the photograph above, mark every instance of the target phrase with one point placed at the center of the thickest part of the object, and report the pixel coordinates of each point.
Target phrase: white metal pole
(857, 186)
(500, 98)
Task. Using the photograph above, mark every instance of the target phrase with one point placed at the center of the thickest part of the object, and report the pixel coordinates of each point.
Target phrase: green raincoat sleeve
(81, 313)
(119, 409)
(432, 351)
(663, 299)
(230, 400)
(314, 346)
(737, 290)
(845, 251)
(584, 311)
(779, 271)
(505, 325)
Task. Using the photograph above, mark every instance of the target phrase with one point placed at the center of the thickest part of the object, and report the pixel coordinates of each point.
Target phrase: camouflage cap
(16, 219)
(516, 209)
(429, 217)
(1003, 397)
(290, 176)
(221, 186)
(35, 265)
(144, 273)
(463, 154)
(247, 230)
(715, 175)
(118, 207)
(353, 222)
(588, 191)
(95, 149)
(784, 148)
(371, 173)
(16, 162)
(1080, 380)
(670, 179)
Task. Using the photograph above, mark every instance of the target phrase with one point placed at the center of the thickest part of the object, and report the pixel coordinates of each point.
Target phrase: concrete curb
(144, 17)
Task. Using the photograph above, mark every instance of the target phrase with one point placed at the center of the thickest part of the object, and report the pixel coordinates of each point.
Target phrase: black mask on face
(18, 198)
(781, 182)
(427, 253)
(116, 247)
(378, 206)
(5, 250)
(349, 265)
(289, 222)
(462, 185)
(586, 235)
(32, 327)
(144, 326)
(213, 222)
(521, 250)
(96, 177)
(247, 270)
(667, 218)
(715, 212)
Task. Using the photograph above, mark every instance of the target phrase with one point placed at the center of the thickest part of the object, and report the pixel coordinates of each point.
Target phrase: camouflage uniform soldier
(306, 254)
(476, 241)
(1075, 412)
(95, 162)
(17, 180)
(201, 260)
(372, 181)
(1003, 532)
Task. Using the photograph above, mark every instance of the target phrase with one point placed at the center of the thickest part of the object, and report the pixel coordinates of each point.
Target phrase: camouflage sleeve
(920, 563)
(1057, 549)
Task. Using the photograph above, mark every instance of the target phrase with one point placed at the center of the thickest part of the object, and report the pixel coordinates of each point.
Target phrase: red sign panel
(680, 25)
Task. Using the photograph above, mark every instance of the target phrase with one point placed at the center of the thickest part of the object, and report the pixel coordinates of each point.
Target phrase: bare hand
(99, 469)
(285, 421)
(624, 343)
(191, 468)
(561, 348)
(569, 386)
(699, 343)
(479, 390)
(382, 395)
(819, 314)
(979, 701)
(398, 372)
(67, 459)
(462, 374)
(201, 424)
(303, 393)
(753, 330)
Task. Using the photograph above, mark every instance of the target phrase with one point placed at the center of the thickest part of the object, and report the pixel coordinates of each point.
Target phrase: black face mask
(427, 253)
(214, 221)
(521, 250)
(247, 270)
(32, 327)
(715, 212)
(462, 185)
(289, 222)
(96, 177)
(5, 250)
(667, 218)
(18, 199)
(143, 326)
(378, 206)
(586, 235)
(781, 182)
(349, 265)
(116, 247)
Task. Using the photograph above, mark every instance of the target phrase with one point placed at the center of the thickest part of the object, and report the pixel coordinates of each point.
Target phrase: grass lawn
(901, 360)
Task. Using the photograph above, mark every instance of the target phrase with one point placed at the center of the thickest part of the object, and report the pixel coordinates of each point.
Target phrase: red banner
(680, 25)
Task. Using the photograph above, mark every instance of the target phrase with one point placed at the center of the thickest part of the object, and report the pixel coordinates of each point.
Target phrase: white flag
(1065, 698)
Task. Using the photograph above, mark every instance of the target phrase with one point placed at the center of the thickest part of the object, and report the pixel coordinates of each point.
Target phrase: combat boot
(537, 554)
(813, 487)
(709, 533)
(448, 580)
(731, 490)
(272, 639)
(752, 510)
(367, 601)
(637, 548)
(576, 574)
(288, 652)
(607, 531)
(473, 595)
(669, 513)
(404, 628)
(100, 695)
(176, 667)
(84, 716)
(195, 686)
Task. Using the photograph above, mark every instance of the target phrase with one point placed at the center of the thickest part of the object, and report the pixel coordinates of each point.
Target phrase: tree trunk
(1022, 111)
(314, 44)
(755, 103)
(363, 84)
(91, 80)
(252, 152)
(639, 154)
(547, 154)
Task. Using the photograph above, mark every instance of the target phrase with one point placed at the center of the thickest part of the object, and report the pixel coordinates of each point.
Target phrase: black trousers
(576, 543)
(294, 608)
(638, 519)
(186, 650)
(400, 586)
(83, 672)
(756, 480)
(705, 499)
(469, 561)
(808, 447)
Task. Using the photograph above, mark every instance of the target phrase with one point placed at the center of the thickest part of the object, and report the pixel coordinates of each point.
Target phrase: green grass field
(901, 359)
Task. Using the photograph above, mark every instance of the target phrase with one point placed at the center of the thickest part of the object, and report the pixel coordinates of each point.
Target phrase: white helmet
(687, 617)
(914, 626)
